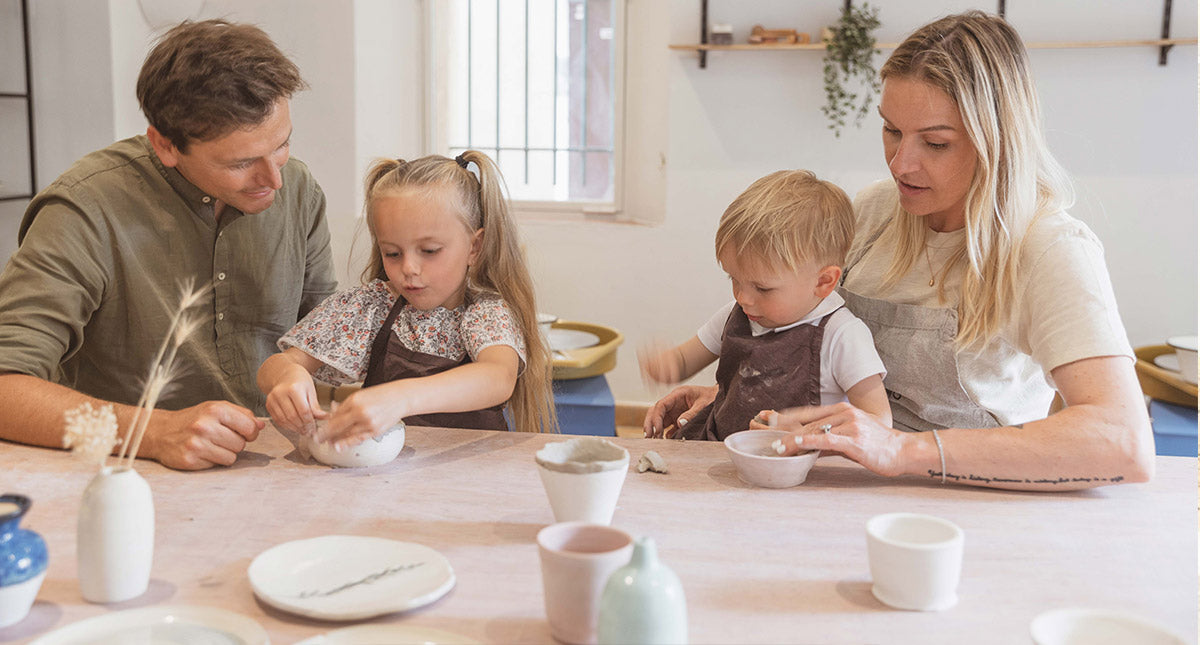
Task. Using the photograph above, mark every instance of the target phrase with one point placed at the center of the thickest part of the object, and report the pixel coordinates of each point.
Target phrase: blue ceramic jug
(22, 560)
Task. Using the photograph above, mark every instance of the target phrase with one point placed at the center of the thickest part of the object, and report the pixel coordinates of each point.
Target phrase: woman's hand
(847, 430)
(676, 408)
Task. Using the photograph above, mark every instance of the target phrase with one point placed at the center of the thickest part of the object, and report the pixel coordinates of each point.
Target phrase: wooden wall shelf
(1166, 42)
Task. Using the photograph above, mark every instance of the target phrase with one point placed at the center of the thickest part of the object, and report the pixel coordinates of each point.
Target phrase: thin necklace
(930, 264)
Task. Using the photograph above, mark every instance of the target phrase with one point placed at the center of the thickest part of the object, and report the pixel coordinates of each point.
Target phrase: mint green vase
(642, 602)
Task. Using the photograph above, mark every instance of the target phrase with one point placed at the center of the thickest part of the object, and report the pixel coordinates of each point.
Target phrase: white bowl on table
(371, 451)
(758, 464)
(1185, 352)
(1087, 626)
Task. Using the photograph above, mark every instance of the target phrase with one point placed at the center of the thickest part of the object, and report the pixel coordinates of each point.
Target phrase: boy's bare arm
(870, 396)
(676, 364)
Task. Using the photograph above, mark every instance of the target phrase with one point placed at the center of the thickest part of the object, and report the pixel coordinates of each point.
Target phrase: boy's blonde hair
(500, 269)
(787, 219)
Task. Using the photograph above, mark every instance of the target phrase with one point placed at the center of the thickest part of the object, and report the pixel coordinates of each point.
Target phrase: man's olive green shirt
(105, 252)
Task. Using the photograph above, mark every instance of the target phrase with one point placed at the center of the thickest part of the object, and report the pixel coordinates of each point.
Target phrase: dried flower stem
(161, 372)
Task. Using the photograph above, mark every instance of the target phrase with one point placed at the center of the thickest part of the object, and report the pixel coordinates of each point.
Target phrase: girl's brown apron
(391, 360)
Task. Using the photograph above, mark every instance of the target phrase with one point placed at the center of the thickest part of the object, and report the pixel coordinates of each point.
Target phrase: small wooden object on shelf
(761, 36)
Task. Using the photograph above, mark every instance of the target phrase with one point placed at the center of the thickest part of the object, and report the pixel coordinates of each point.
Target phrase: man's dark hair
(206, 79)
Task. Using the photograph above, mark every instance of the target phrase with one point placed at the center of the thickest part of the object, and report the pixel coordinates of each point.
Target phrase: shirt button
(220, 316)
(206, 199)
(220, 276)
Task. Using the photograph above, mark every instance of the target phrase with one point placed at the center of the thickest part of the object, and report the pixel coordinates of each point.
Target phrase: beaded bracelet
(941, 454)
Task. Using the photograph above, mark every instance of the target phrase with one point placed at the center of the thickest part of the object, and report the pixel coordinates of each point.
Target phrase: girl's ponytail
(501, 269)
(373, 185)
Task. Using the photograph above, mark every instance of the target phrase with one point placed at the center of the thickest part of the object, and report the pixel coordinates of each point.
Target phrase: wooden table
(757, 565)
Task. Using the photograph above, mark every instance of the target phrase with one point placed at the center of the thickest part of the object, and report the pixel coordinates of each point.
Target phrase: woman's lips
(909, 189)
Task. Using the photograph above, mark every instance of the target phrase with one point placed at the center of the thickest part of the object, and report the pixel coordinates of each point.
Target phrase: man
(207, 196)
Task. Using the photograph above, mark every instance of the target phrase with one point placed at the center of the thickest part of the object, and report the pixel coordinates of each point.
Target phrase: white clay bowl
(758, 464)
(372, 451)
(1185, 351)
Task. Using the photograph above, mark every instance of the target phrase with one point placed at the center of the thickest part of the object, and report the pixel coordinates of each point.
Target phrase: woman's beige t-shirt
(1064, 311)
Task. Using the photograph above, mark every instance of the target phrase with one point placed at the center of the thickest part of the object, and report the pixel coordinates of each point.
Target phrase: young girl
(443, 332)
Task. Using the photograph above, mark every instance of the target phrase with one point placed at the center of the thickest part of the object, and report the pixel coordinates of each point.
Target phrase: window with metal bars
(535, 84)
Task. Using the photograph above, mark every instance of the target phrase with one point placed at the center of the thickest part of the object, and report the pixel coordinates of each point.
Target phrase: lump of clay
(652, 461)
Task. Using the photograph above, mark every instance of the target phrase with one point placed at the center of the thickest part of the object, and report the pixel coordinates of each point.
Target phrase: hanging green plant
(851, 82)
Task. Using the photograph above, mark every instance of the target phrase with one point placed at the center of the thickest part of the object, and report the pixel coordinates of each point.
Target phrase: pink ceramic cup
(577, 559)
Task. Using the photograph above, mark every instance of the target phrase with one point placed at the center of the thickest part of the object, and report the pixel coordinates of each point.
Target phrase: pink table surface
(757, 565)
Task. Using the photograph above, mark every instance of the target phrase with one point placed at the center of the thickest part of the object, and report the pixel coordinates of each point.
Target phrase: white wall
(1125, 128)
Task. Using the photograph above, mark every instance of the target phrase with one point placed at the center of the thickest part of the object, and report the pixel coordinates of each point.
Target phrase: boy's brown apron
(774, 371)
(391, 360)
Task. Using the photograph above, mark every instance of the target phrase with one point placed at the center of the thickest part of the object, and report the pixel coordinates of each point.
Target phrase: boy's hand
(292, 402)
(659, 363)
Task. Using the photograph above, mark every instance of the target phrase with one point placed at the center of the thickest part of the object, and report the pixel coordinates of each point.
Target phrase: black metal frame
(28, 96)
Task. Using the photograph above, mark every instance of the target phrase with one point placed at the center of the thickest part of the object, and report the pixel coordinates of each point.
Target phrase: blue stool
(1174, 429)
(585, 406)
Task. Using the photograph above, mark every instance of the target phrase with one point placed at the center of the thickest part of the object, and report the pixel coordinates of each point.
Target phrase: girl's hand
(292, 402)
(676, 409)
(845, 429)
(364, 414)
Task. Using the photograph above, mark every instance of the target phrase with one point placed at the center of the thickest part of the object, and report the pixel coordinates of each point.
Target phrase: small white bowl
(1081, 626)
(758, 464)
(372, 451)
(1185, 351)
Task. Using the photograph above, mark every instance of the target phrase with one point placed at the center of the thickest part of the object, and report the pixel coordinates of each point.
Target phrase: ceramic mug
(915, 560)
(577, 560)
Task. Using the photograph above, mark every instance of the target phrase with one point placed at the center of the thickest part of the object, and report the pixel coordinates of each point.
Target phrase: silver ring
(825, 428)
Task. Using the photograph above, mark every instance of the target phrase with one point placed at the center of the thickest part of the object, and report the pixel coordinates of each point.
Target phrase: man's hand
(202, 436)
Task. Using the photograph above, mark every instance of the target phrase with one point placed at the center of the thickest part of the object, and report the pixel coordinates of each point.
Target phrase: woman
(981, 292)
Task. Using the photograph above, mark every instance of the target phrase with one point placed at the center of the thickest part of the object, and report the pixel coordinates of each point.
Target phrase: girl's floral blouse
(339, 331)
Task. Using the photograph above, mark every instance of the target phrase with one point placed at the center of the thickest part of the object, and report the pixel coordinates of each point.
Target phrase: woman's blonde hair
(787, 219)
(499, 270)
(979, 61)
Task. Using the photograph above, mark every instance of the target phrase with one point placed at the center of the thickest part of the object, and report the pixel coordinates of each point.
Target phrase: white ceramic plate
(1080, 626)
(1182, 342)
(1167, 362)
(349, 577)
(391, 634)
(564, 339)
(162, 625)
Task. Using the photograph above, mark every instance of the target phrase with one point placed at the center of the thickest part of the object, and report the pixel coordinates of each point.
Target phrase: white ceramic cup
(583, 478)
(577, 559)
(915, 560)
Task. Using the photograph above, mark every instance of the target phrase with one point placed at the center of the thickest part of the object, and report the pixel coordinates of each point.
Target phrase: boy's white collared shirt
(847, 350)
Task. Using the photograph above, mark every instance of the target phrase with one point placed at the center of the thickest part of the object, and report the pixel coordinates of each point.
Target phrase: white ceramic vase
(115, 538)
(643, 602)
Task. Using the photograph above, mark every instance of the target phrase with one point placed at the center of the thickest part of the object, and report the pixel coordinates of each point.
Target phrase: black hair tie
(460, 161)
